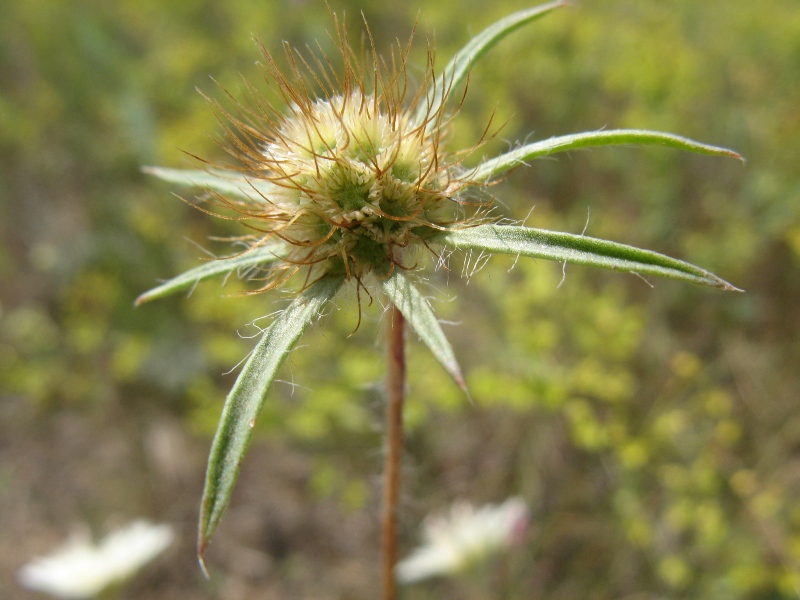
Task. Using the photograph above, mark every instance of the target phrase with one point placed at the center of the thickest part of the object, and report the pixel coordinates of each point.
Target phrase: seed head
(347, 178)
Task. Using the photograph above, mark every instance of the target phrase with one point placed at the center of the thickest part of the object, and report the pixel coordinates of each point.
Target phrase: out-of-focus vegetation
(653, 432)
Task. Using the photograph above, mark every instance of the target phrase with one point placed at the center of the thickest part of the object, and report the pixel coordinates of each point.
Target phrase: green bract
(349, 185)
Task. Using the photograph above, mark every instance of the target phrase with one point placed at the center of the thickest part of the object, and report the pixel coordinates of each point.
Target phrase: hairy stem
(395, 387)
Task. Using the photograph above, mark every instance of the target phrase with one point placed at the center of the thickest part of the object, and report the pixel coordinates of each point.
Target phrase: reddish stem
(395, 388)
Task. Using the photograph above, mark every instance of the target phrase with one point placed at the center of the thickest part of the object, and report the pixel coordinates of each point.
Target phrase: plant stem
(395, 388)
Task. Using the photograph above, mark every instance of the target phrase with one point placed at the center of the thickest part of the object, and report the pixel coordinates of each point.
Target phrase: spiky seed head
(350, 180)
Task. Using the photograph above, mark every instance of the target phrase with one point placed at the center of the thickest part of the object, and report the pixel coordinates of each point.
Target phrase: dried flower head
(345, 181)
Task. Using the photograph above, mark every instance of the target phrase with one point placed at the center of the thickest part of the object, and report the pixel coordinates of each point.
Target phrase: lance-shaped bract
(577, 249)
(221, 181)
(240, 263)
(490, 169)
(457, 69)
(246, 399)
(415, 308)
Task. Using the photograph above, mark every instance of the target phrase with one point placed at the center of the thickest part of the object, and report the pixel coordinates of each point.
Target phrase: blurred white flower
(80, 569)
(454, 543)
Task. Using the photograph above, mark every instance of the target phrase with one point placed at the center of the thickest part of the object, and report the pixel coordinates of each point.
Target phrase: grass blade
(419, 315)
(245, 400)
(505, 162)
(578, 249)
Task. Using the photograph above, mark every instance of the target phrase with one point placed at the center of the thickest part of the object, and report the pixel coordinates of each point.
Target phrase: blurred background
(653, 433)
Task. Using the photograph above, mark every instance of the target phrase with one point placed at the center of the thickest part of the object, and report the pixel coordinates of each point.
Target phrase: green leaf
(457, 69)
(578, 249)
(231, 183)
(219, 266)
(496, 166)
(419, 315)
(246, 399)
